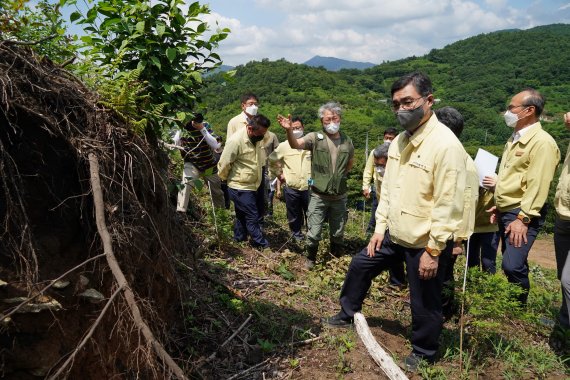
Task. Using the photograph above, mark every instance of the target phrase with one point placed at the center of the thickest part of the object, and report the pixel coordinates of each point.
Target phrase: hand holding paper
(486, 164)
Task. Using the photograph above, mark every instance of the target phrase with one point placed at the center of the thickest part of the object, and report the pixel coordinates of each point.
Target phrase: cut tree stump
(381, 357)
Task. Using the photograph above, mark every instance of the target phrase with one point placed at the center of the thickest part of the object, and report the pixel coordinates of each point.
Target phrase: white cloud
(496, 4)
(366, 30)
(564, 7)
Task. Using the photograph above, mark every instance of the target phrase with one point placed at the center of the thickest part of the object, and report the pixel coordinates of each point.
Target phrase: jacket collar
(423, 131)
(530, 133)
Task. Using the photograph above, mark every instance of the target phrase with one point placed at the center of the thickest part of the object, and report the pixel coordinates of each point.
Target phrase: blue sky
(363, 30)
(366, 30)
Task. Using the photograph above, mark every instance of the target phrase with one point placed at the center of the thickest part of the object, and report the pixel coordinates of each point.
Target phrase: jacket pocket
(421, 186)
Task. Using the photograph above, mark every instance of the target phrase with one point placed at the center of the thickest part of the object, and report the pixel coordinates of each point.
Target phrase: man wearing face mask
(249, 108)
(527, 167)
(292, 167)
(370, 175)
(332, 158)
(241, 165)
(420, 209)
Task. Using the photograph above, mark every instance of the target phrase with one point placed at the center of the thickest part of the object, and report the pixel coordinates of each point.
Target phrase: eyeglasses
(406, 104)
(251, 103)
(512, 107)
(327, 120)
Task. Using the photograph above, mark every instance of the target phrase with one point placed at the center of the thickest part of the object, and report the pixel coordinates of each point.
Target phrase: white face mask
(332, 128)
(511, 119)
(251, 110)
(298, 133)
(380, 170)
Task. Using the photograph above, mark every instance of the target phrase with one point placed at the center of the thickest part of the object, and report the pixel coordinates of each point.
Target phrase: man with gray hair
(527, 168)
(332, 158)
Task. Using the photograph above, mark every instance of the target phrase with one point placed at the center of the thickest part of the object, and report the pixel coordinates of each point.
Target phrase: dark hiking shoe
(337, 321)
(413, 361)
(337, 250)
(311, 254)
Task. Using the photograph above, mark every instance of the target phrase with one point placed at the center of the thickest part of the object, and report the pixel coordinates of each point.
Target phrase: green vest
(324, 180)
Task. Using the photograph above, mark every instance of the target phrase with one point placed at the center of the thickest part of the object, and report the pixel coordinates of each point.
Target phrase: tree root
(87, 337)
(118, 273)
(15, 309)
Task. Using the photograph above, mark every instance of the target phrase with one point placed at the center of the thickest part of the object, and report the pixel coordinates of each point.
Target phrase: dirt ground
(390, 324)
(542, 252)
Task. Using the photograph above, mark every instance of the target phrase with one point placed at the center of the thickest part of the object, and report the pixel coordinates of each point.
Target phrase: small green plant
(490, 302)
(284, 272)
(501, 347)
(231, 302)
(431, 372)
(224, 224)
(266, 346)
(294, 363)
(190, 307)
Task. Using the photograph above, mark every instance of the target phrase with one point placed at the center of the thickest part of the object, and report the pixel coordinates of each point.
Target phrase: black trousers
(297, 203)
(425, 295)
(515, 260)
(448, 292)
(248, 222)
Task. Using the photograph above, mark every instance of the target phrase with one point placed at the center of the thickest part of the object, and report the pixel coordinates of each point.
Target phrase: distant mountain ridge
(336, 64)
(220, 69)
(477, 75)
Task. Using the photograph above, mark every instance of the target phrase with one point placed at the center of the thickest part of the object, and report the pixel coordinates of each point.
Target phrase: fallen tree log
(381, 357)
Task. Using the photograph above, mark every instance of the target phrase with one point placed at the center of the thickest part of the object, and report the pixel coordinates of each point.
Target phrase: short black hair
(391, 131)
(452, 118)
(421, 82)
(297, 118)
(198, 118)
(259, 121)
(534, 99)
(248, 95)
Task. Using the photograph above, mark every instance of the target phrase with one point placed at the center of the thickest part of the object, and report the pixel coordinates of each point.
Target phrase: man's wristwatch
(433, 252)
(523, 218)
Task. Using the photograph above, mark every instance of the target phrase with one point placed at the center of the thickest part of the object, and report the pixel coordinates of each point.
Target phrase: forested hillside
(477, 75)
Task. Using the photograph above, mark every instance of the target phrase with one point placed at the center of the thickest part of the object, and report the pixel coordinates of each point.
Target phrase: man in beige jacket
(292, 168)
(527, 167)
(420, 210)
(241, 165)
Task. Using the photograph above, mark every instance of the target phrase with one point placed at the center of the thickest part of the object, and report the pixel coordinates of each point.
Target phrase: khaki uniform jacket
(294, 164)
(235, 124)
(526, 170)
(482, 217)
(270, 143)
(239, 122)
(562, 197)
(470, 197)
(421, 203)
(241, 162)
(370, 174)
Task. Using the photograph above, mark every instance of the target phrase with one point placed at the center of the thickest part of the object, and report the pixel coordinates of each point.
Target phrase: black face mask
(255, 139)
(410, 119)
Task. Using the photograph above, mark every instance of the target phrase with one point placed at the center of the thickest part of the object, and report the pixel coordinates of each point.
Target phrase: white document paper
(486, 164)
